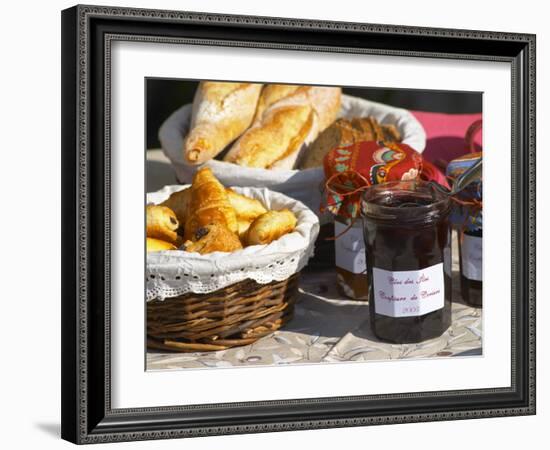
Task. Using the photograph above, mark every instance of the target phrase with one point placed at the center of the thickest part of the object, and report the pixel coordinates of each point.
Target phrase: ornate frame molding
(80, 424)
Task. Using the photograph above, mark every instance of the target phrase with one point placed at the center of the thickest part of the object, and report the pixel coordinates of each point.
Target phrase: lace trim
(161, 285)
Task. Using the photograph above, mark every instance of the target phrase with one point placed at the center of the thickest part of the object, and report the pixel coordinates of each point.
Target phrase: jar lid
(459, 165)
(351, 169)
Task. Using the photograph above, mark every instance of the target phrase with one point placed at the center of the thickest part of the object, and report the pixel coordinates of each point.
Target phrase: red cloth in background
(445, 135)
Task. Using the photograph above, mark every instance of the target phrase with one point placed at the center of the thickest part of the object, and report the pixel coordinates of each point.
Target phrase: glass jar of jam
(408, 250)
(467, 218)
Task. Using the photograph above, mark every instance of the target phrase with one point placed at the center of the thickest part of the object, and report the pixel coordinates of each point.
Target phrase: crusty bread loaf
(346, 132)
(287, 117)
(272, 93)
(221, 112)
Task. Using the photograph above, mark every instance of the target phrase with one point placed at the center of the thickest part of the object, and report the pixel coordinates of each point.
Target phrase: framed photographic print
(283, 224)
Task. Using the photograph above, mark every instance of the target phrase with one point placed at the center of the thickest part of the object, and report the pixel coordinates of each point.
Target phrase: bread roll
(215, 237)
(209, 204)
(157, 245)
(270, 227)
(221, 112)
(288, 116)
(162, 223)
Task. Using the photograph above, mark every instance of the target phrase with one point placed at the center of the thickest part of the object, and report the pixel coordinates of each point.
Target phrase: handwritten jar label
(408, 292)
(472, 257)
(350, 247)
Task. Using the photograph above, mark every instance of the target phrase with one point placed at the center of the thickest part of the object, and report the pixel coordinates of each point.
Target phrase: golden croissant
(209, 204)
(179, 203)
(162, 223)
(157, 245)
(215, 237)
(270, 226)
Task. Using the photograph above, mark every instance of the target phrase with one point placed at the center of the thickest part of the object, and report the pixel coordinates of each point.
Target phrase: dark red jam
(470, 258)
(408, 252)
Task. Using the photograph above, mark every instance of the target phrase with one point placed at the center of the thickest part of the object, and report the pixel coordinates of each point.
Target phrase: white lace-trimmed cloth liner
(176, 272)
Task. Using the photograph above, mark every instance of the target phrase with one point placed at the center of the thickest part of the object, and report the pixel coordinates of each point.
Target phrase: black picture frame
(87, 32)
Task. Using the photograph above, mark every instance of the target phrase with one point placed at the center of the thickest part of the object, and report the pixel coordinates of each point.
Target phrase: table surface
(326, 328)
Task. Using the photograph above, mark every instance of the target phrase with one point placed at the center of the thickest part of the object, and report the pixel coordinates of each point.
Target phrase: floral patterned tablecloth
(327, 328)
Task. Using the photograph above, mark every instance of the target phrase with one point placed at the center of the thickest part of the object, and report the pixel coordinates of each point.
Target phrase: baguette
(221, 113)
(287, 117)
(272, 93)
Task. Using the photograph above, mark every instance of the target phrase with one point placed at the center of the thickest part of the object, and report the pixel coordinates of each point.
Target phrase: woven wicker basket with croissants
(222, 264)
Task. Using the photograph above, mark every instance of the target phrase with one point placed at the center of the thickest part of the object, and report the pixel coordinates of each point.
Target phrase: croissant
(157, 245)
(162, 223)
(270, 226)
(221, 113)
(209, 204)
(214, 237)
(246, 208)
(179, 203)
(244, 225)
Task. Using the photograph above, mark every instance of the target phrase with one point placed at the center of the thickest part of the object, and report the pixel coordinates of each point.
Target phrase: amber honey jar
(408, 252)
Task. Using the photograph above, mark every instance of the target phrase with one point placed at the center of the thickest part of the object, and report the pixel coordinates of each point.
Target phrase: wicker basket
(299, 184)
(236, 315)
